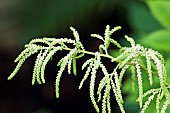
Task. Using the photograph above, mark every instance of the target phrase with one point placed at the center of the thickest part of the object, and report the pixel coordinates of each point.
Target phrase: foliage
(141, 26)
(158, 40)
(157, 7)
(151, 31)
(136, 58)
(161, 35)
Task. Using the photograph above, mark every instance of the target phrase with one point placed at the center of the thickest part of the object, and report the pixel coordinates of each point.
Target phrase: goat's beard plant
(134, 58)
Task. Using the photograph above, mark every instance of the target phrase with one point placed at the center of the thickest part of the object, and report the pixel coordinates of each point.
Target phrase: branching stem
(129, 58)
(111, 58)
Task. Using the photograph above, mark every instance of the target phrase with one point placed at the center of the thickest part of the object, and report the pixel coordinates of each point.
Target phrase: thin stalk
(113, 60)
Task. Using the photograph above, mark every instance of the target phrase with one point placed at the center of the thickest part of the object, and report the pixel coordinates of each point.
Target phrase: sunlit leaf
(168, 69)
(159, 40)
(161, 11)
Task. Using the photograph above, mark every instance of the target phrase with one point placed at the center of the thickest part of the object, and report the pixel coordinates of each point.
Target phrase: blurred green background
(22, 20)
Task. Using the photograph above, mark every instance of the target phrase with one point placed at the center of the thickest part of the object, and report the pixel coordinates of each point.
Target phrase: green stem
(92, 53)
(113, 59)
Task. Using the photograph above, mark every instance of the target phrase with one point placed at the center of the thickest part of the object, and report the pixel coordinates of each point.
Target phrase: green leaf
(168, 69)
(158, 40)
(161, 11)
(144, 25)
